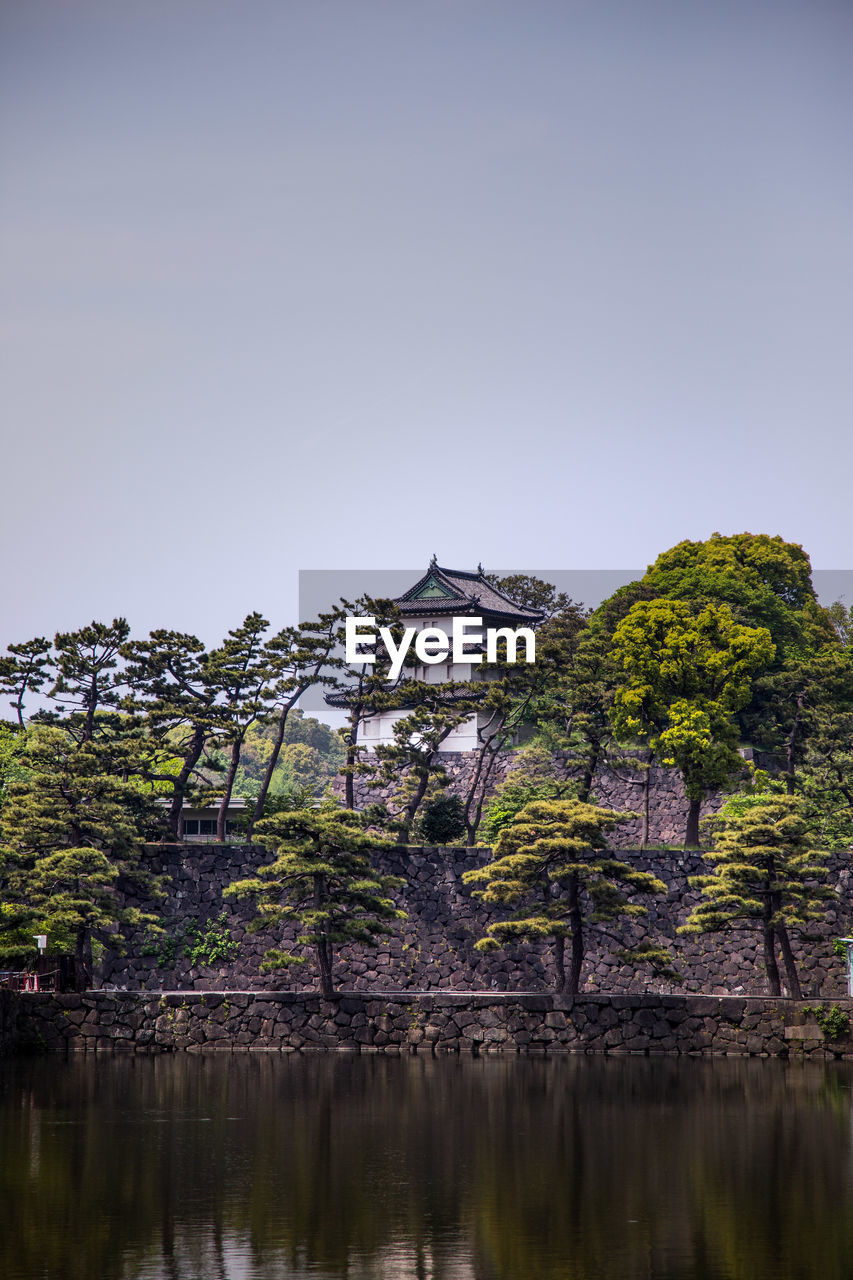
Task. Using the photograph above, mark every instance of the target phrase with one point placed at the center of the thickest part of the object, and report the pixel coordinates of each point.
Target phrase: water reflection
(373, 1168)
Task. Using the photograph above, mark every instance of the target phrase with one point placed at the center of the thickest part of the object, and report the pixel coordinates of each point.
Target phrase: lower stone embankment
(434, 1022)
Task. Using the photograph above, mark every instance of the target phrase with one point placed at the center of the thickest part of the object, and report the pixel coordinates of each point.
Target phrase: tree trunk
(590, 766)
(260, 800)
(790, 747)
(559, 963)
(192, 758)
(647, 786)
(770, 964)
(414, 804)
(352, 757)
(576, 922)
(474, 803)
(82, 960)
(324, 964)
(691, 838)
(229, 787)
(790, 963)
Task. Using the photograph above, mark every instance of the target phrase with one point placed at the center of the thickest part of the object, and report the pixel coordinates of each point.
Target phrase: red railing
(22, 980)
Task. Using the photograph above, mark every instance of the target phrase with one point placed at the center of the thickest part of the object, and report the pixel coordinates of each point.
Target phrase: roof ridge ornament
(481, 570)
(433, 564)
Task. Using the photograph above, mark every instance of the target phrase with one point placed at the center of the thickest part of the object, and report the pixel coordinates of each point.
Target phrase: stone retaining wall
(425, 1022)
(616, 787)
(433, 949)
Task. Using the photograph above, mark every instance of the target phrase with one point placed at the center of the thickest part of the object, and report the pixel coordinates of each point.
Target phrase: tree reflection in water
(336, 1165)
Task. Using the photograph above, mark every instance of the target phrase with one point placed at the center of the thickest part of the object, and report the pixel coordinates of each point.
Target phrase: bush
(531, 779)
(443, 820)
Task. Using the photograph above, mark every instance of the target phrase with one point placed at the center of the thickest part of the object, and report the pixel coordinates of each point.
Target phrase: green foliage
(532, 778)
(833, 1022)
(683, 676)
(208, 942)
(552, 864)
(442, 821)
(72, 826)
(841, 617)
(322, 880)
(164, 940)
(765, 871)
(763, 861)
(11, 748)
(764, 581)
(409, 762)
(203, 942)
(311, 755)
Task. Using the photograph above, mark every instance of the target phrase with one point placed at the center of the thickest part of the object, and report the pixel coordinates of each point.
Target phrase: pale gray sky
(348, 282)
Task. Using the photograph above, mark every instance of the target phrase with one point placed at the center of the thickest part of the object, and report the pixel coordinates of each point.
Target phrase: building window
(190, 826)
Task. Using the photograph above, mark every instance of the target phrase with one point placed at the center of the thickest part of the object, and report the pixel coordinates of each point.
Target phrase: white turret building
(433, 602)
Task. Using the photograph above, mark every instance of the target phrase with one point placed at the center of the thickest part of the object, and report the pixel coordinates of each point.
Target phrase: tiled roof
(455, 591)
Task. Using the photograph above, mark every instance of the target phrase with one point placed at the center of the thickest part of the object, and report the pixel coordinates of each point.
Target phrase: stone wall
(426, 1022)
(8, 1022)
(434, 947)
(615, 787)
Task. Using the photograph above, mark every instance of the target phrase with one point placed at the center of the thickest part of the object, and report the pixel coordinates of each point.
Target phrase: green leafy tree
(683, 676)
(572, 702)
(841, 617)
(310, 757)
(73, 826)
(322, 879)
(825, 775)
(573, 709)
(552, 863)
(766, 582)
(766, 873)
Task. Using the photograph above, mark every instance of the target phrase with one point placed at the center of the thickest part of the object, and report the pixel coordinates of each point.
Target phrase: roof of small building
(457, 591)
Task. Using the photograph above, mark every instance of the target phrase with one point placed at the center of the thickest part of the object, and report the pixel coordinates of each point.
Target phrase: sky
(341, 284)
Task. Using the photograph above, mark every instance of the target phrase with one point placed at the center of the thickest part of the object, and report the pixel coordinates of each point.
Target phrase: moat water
(244, 1166)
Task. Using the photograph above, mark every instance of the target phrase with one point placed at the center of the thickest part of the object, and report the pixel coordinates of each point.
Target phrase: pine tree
(322, 880)
(73, 824)
(26, 668)
(766, 873)
(171, 690)
(553, 863)
(410, 761)
(297, 658)
(89, 680)
(239, 669)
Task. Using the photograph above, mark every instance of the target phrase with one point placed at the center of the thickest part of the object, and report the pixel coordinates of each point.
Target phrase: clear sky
(344, 283)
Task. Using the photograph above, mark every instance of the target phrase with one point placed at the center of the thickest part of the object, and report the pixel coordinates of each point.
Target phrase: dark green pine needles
(322, 880)
(767, 873)
(553, 861)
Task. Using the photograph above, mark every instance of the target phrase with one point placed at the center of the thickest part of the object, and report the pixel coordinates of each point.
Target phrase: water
(382, 1168)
